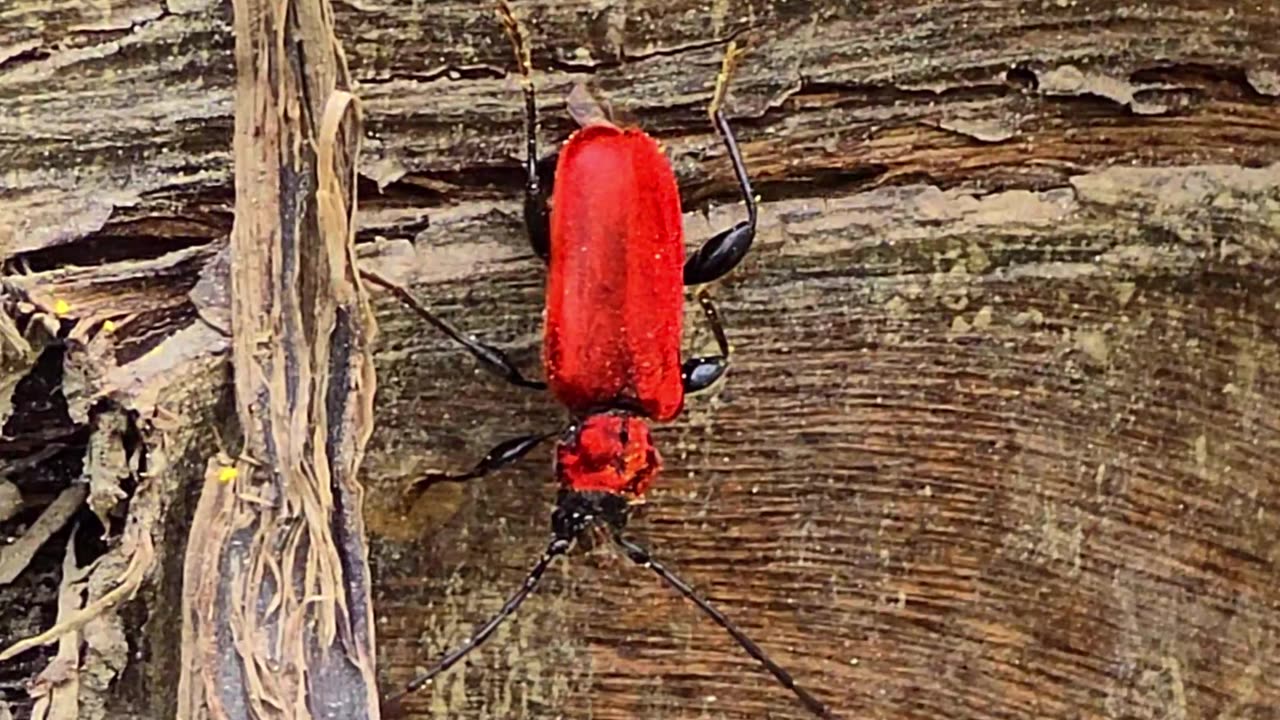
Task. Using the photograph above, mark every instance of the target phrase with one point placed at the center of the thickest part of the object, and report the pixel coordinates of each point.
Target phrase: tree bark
(999, 439)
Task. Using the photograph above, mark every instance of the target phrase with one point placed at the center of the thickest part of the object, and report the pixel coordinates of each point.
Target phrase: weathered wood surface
(1000, 438)
(277, 617)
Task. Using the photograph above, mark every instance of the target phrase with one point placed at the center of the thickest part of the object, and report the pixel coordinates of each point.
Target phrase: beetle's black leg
(489, 357)
(557, 547)
(641, 557)
(537, 204)
(723, 252)
(699, 373)
(539, 174)
(502, 455)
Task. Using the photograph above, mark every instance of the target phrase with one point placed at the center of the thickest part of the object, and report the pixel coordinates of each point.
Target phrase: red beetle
(611, 346)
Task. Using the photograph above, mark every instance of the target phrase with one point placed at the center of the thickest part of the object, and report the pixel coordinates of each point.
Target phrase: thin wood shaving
(274, 553)
(57, 689)
(14, 558)
(141, 553)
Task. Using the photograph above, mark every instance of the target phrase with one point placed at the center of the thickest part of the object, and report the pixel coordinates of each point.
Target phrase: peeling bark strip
(277, 615)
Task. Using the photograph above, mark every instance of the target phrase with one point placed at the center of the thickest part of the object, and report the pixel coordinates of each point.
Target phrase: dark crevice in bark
(101, 248)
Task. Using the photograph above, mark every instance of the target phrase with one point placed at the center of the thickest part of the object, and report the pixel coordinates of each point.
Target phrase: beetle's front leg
(723, 252)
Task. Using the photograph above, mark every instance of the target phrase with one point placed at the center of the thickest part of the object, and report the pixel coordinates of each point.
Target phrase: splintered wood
(277, 622)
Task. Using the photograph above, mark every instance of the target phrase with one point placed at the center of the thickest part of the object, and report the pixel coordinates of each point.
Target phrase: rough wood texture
(1000, 437)
(276, 612)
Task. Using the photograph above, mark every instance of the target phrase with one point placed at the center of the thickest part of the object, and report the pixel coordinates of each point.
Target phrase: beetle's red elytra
(608, 223)
(615, 293)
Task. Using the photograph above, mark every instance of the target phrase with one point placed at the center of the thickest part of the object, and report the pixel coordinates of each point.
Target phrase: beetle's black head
(579, 511)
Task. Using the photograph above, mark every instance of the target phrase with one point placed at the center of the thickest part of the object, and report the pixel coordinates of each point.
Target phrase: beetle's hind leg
(539, 173)
(700, 373)
(489, 357)
(723, 252)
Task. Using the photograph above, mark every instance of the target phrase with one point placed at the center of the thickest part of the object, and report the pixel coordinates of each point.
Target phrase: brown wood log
(276, 613)
(999, 439)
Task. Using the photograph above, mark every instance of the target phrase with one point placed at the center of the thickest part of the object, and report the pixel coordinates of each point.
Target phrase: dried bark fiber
(1000, 436)
(275, 589)
(276, 614)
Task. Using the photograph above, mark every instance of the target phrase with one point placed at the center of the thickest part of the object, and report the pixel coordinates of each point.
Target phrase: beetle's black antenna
(559, 546)
(641, 557)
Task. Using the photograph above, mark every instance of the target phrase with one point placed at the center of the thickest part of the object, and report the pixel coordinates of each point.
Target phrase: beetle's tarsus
(727, 66)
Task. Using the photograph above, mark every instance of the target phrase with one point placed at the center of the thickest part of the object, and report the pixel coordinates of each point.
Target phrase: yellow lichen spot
(982, 319)
(1094, 345)
(61, 307)
(109, 326)
(227, 474)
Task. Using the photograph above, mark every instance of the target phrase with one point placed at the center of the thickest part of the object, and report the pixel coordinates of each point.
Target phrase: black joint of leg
(546, 172)
(720, 254)
(723, 252)
(700, 373)
(537, 222)
(537, 198)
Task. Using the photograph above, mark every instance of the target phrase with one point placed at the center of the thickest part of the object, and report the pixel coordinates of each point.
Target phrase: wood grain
(999, 438)
(963, 467)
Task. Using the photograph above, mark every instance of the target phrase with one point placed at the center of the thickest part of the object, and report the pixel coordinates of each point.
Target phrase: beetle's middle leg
(723, 252)
(489, 357)
(539, 173)
(700, 373)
